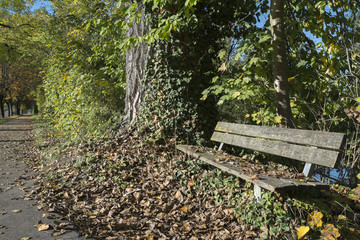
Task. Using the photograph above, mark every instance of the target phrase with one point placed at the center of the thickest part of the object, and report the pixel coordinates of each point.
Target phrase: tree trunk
(2, 109)
(136, 58)
(17, 108)
(9, 108)
(280, 65)
(4, 85)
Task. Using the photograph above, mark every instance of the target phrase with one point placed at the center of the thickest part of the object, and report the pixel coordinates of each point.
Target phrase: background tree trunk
(18, 108)
(8, 108)
(280, 65)
(135, 69)
(2, 109)
(4, 81)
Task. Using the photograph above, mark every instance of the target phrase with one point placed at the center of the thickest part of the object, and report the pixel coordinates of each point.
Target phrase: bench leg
(221, 146)
(257, 191)
(308, 170)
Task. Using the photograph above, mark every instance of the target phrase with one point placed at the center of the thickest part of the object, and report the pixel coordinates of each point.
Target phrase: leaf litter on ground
(125, 188)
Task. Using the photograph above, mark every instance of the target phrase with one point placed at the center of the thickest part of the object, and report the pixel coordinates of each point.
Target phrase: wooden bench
(311, 147)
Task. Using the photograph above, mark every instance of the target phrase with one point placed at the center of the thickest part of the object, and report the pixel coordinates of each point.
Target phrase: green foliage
(267, 214)
(322, 81)
(181, 68)
(83, 88)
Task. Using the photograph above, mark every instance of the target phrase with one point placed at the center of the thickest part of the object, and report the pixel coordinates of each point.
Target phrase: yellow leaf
(236, 94)
(302, 231)
(278, 119)
(330, 232)
(184, 209)
(222, 68)
(290, 79)
(247, 115)
(314, 219)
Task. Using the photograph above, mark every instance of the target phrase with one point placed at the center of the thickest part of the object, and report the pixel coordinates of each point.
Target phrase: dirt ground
(18, 211)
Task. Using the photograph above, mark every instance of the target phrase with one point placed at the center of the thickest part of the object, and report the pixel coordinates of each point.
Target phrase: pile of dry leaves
(128, 189)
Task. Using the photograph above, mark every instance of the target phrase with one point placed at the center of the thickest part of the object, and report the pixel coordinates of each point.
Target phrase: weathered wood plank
(329, 140)
(323, 157)
(270, 183)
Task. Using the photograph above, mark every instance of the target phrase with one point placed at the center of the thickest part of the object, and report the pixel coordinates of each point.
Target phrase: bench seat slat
(270, 183)
(317, 156)
(320, 139)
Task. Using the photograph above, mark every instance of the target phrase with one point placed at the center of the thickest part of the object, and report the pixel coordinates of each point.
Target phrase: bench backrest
(320, 148)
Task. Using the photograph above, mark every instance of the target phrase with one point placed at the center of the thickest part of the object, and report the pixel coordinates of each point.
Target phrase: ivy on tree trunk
(280, 64)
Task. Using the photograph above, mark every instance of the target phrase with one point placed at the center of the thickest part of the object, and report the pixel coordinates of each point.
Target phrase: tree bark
(9, 108)
(2, 109)
(4, 81)
(18, 108)
(280, 65)
(136, 58)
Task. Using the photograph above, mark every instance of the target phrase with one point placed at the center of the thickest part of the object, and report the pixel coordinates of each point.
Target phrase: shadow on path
(18, 211)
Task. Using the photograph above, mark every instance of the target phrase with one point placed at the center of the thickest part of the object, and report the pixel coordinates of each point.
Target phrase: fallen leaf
(184, 209)
(302, 231)
(330, 232)
(314, 219)
(48, 216)
(150, 237)
(58, 233)
(43, 227)
(255, 177)
(178, 194)
(16, 211)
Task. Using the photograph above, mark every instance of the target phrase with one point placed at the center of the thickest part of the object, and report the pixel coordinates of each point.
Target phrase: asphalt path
(20, 218)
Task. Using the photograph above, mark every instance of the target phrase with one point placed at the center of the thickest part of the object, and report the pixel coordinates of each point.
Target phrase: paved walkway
(18, 213)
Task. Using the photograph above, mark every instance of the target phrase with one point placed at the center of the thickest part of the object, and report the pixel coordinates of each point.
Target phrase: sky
(41, 3)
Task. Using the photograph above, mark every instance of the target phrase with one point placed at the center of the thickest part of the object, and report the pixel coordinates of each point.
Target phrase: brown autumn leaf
(48, 216)
(191, 183)
(255, 177)
(178, 194)
(228, 211)
(184, 209)
(58, 233)
(330, 232)
(42, 227)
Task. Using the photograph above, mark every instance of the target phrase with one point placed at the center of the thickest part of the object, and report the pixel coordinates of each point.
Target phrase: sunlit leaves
(330, 232)
(84, 72)
(302, 231)
(314, 219)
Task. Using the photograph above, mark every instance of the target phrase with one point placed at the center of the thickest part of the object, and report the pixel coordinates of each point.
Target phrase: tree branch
(5, 26)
